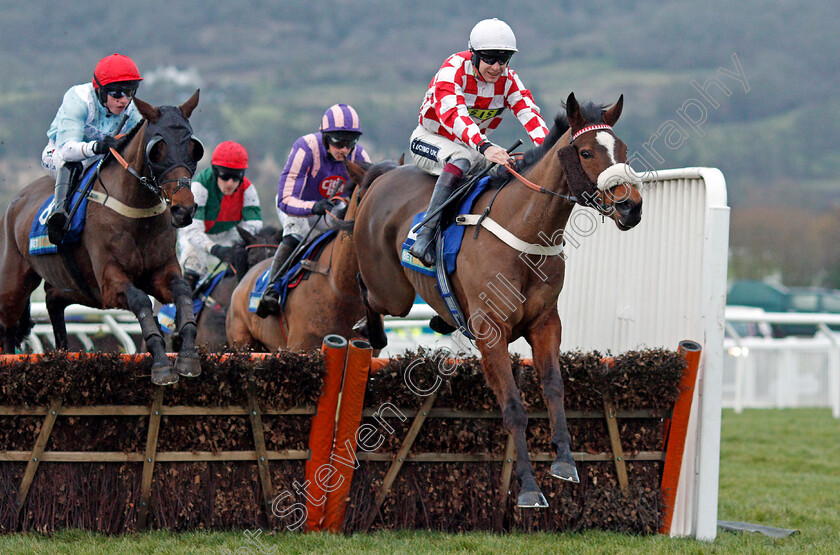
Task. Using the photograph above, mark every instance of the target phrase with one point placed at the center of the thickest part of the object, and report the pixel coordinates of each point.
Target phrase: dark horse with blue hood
(140, 193)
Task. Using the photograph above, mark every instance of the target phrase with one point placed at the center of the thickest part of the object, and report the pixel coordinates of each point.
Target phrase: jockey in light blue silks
(84, 126)
(314, 173)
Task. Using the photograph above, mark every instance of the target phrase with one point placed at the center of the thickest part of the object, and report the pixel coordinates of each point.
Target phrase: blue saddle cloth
(291, 278)
(39, 242)
(166, 314)
(453, 236)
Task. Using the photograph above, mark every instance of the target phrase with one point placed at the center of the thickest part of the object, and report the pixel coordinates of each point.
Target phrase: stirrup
(427, 252)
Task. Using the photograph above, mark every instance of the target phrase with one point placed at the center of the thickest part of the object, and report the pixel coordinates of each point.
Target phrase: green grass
(778, 468)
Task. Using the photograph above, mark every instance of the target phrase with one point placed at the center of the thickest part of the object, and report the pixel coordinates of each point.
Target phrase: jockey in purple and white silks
(84, 126)
(314, 174)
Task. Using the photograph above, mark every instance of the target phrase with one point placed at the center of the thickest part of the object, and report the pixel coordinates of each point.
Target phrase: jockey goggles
(227, 174)
(339, 142)
(119, 92)
(491, 57)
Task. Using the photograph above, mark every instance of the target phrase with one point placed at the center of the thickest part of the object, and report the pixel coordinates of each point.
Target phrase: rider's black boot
(270, 300)
(424, 246)
(57, 220)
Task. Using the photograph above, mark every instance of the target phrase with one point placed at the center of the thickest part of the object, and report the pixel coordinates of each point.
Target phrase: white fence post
(833, 370)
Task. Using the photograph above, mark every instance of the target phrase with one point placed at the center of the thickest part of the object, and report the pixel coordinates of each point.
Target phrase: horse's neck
(344, 265)
(531, 215)
(121, 184)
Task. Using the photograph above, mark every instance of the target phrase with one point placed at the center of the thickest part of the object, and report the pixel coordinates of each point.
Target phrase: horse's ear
(401, 160)
(149, 112)
(188, 106)
(611, 116)
(355, 171)
(573, 115)
(246, 236)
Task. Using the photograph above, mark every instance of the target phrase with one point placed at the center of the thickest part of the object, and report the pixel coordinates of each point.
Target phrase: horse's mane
(590, 111)
(375, 171)
(132, 132)
(125, 139)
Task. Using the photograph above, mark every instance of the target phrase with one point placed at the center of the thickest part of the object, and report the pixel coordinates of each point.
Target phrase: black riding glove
(322, 206)
(104, 144)
(225, 254)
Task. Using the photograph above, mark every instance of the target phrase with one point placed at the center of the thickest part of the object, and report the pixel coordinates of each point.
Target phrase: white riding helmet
(492, 34)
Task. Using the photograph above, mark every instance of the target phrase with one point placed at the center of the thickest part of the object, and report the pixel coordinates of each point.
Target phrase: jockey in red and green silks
(225, 198)
(84, 126)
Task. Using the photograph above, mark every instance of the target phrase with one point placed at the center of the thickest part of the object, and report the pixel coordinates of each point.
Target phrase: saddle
(39, 242)
(302, 266)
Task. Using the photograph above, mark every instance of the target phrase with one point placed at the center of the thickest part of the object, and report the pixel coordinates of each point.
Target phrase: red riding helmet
(230, 154)
(113, 69)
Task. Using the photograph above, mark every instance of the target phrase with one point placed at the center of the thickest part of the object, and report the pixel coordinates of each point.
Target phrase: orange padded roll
(349, 417)
(676, 431)
(323, 427)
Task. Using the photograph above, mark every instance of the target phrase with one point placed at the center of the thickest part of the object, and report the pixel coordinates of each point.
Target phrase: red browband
(590, 128)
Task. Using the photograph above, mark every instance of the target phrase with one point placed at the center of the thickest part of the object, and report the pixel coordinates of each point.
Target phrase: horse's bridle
(174, 130)
(588, 191)
(151, 182)
(183, 182)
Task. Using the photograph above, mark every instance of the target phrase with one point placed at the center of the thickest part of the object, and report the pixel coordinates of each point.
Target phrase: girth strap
(507, 237)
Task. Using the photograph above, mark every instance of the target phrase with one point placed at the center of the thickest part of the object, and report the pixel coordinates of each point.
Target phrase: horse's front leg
(187, 363)
(139, 303)
(544, 338)
(495, 360)
(55, 309)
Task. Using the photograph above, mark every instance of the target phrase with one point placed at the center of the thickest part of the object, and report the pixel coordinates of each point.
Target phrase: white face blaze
(617, 173)
(607, 140)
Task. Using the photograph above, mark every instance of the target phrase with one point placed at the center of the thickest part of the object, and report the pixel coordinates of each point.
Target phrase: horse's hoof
(165, 375)
(189, 367)
(564, 471)
(531, 500)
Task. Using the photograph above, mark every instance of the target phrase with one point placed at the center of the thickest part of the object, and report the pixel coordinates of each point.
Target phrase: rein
(533, 186)
(266, 246)
(152, 184)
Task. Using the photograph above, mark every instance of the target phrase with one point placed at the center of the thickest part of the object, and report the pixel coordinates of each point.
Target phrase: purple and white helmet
(340, 117)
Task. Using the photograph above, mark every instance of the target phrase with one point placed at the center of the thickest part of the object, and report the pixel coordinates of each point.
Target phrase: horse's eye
(158, 152)
(586, 154)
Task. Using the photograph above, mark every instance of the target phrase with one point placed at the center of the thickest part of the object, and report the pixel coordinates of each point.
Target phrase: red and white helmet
(230, 154)
(113, 69)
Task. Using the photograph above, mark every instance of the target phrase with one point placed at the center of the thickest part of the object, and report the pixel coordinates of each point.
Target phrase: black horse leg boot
(192, 278)
(57, 220)
(424, 246)
(270, 300)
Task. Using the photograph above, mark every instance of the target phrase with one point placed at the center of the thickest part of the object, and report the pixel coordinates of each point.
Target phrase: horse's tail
(13, 336)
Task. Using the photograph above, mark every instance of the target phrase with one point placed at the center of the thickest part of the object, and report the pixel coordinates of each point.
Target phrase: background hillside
(267, 70)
